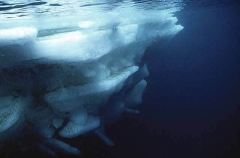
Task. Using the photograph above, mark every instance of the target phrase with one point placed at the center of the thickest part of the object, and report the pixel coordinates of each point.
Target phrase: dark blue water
(191, 105)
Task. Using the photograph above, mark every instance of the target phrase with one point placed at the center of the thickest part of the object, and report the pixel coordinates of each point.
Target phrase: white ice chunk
(135, 95)
(57, 122)
(79, 116)
(84, 67)
(67, 99)
(128, 33)
(144, 71)
(13, 132)
(141, 74)
(72, 130)
(18, 35)
(11, 110)
(85, 24)
(74, 46)
(60, 146)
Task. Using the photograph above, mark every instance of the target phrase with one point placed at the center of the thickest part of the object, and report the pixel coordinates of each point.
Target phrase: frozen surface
(65, 77)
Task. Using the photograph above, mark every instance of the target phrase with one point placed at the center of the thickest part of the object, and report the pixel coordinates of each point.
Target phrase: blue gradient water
(191, 105)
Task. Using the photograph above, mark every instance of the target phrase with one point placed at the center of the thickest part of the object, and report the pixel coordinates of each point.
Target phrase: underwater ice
(65, 78)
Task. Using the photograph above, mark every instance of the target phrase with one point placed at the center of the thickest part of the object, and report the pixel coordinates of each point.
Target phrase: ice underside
(74, 78)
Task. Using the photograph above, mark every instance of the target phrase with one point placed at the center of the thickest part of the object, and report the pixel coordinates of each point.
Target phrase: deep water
(191, 104)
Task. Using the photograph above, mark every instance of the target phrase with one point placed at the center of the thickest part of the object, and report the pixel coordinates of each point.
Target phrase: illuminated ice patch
(65, 79)
(85, 24)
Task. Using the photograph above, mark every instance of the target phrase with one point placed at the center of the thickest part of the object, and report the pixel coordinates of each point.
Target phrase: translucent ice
(70, 76)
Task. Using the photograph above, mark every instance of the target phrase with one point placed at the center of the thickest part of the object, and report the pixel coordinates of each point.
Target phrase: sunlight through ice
(68, 76)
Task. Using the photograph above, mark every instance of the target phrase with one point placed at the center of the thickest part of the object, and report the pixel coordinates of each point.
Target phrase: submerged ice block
(66, 80)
